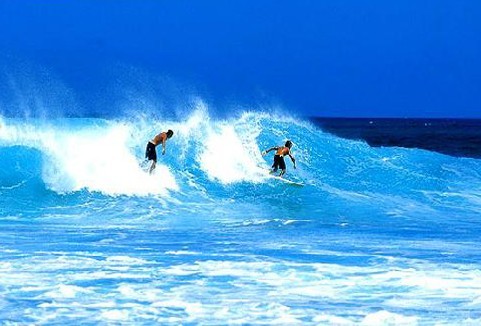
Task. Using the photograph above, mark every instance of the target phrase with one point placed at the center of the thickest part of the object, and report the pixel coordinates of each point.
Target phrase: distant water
(456, 137)
(377, 236)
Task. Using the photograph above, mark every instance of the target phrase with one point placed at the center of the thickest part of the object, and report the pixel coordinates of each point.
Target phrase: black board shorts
(150, 152)
(279, 162)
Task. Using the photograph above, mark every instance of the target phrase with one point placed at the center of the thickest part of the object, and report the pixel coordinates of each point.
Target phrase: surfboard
(287, 181)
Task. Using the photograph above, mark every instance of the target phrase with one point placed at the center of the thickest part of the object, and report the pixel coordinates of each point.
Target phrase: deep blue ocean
(384, 232)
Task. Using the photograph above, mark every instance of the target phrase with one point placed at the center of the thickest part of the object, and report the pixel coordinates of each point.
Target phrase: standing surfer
(279, 162)
(151, 153)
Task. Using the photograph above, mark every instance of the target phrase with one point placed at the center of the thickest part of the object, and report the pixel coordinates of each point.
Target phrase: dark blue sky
(419, 58)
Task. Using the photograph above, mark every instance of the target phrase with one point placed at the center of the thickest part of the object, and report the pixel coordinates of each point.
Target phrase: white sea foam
(116, 314)
(101, 161)
(181, 253)
(226, 159)
(256, 290)
(66, 291)
(388, 318)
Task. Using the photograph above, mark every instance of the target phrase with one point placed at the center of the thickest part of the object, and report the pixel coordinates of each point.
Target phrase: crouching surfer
(279, 162)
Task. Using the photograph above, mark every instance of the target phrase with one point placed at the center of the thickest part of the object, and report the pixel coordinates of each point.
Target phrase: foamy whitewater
(377, 236)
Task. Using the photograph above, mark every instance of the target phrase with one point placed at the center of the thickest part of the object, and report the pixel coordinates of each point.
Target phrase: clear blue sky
(406, 58)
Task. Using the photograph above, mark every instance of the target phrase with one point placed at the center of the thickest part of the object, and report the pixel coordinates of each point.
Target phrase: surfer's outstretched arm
(270, 149)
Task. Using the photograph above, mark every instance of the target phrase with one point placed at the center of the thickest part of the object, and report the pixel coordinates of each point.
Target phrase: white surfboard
(287, 181)
(277, 177)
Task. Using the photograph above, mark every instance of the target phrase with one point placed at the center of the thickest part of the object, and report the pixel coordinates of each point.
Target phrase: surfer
(279, 162)
(151, 153)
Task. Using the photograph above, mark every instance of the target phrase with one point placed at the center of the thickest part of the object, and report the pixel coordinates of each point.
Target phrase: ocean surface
(455, 137)
(386, 230)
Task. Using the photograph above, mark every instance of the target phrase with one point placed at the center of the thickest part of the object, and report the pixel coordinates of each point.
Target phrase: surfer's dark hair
(169, 133)
(288, 144)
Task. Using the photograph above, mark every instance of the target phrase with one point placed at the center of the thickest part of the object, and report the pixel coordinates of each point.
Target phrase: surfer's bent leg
(282, 165)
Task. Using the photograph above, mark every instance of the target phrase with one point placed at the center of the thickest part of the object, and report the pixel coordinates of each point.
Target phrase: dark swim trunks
(279, 163)
(150, 152)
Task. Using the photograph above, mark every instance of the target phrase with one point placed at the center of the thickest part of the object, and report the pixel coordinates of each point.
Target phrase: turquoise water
(376, 236)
